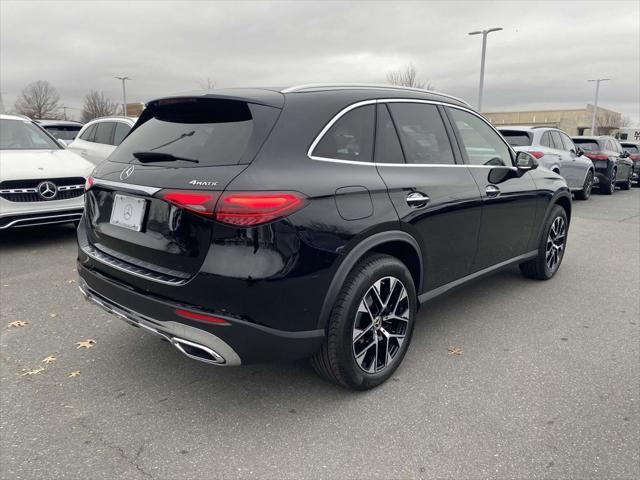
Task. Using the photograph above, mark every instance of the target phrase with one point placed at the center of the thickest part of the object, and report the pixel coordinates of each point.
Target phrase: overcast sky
(542, 59)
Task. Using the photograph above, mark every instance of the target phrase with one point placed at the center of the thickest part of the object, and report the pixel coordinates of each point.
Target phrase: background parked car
(63, 130)
(99, 137)
(555, 151)
(634, 155)
(612, 163)
(40, 181)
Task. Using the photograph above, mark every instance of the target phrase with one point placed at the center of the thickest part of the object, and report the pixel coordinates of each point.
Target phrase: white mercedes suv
(40, 181)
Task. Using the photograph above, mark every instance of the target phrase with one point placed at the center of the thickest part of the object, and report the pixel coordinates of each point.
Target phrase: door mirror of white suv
(525, 161)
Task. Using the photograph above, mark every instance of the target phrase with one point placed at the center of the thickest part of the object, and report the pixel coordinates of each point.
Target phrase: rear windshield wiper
(150, 157)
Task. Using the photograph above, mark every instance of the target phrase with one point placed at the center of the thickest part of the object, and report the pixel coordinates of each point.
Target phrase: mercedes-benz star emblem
(128, 211)
(47, 190)
(126, 173)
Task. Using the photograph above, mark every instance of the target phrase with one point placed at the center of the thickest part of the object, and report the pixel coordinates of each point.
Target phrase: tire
(627, 185)
(552, 247)
(585, 193)
(610, 187)
(359, 364)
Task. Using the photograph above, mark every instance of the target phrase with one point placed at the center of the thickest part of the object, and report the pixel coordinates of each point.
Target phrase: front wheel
(551, 248)
(370, 326)
(585, 193)
(627, 185)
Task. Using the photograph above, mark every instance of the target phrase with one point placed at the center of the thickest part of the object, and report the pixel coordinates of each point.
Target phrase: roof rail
(314, 86)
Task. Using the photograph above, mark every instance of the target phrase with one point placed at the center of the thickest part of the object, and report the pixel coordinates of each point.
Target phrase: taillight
(88, 183)
(597, 156)
(255, 208)
(201, 316)
(245, 209)
(202, 203)
(537, 154)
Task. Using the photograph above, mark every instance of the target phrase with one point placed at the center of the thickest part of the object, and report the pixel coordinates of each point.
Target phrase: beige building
(574, 122)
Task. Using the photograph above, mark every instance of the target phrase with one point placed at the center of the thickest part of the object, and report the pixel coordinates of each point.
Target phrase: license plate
(128, 212)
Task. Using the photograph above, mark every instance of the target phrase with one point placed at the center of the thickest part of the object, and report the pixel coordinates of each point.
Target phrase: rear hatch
(592, 149)
(146, 209)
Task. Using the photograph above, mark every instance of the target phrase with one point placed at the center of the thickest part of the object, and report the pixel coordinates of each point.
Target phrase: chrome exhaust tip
(198, 352)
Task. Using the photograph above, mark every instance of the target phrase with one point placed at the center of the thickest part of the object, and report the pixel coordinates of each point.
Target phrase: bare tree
(39, 100)
(407, 76)
(207, 83)
(625, 122)
(97, 105)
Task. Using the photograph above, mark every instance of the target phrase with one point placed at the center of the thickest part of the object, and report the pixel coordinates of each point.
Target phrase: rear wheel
(551, 248)
(370, 326)
(585, 193)
(608, 186)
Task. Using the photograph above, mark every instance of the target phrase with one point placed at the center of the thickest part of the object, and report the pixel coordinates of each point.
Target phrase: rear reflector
(537, 154)
(201, 316)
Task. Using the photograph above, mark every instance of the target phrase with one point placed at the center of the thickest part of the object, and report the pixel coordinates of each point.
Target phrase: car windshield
(24, 135)
(587, 144)
(516, 138)
(63, 132)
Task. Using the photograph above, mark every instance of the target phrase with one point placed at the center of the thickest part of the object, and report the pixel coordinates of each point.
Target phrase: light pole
(484, 52)
(595, 103)
(124, 95)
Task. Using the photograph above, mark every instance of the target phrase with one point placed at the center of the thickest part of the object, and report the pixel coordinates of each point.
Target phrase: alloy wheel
(555, 243)
(381, 324)
(589, 185)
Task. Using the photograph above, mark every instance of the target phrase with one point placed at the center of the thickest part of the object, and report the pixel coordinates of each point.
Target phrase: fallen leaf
(74, 374)
(35, 371)
(17, 323)
(454, 350)
(53, 315)
(71, 281)
(49, 359)
(86, 343)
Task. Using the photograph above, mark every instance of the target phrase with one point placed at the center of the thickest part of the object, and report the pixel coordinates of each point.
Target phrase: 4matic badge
(203, 183)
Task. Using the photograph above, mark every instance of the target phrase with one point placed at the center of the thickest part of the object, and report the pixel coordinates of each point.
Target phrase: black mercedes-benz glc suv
(247, 225)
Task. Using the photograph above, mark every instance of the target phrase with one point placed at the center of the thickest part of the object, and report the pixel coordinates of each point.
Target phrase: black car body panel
(274, 284)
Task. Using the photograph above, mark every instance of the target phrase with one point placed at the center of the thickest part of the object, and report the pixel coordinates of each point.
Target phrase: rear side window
(545, 141)
(517, 138)
(104, 133)
(388, 149)
(587, 144)
(88, 134)
(211, 131)
(482, 144)
(350, 137)
(422, 134)
(556, 142)
(121, 131)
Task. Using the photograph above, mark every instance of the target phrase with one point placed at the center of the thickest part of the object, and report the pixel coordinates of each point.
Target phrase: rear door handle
(417, 200)
(492, 191)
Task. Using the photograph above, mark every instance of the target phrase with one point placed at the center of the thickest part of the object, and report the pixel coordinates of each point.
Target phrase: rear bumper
(237, 343)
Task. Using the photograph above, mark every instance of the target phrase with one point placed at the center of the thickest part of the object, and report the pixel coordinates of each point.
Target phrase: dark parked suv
(612, 163)
(247, 225)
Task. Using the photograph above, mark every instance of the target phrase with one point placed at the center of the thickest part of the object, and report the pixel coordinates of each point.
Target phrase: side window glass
(422, 134)
(545, 141)
(89, 133)
(557, 142)
(121, 131)
(388, 149)
(567, 143)
(350, 138)
(104, 133)
(482, 144)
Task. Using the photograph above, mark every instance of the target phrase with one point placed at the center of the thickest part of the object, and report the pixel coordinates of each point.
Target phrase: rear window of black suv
(210, 132)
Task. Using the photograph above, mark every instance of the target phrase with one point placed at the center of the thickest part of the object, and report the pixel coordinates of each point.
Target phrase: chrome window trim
(127, 186)
(347, 109)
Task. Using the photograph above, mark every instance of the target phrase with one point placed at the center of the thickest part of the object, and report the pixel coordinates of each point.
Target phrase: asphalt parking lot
(547, 385)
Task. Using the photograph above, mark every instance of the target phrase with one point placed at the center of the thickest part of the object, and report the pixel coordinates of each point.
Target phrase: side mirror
(579, 151)
(625, 154)
(525, 162)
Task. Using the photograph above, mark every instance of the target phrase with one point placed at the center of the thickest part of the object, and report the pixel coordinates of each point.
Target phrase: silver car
(555, 151)
(99, 137)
